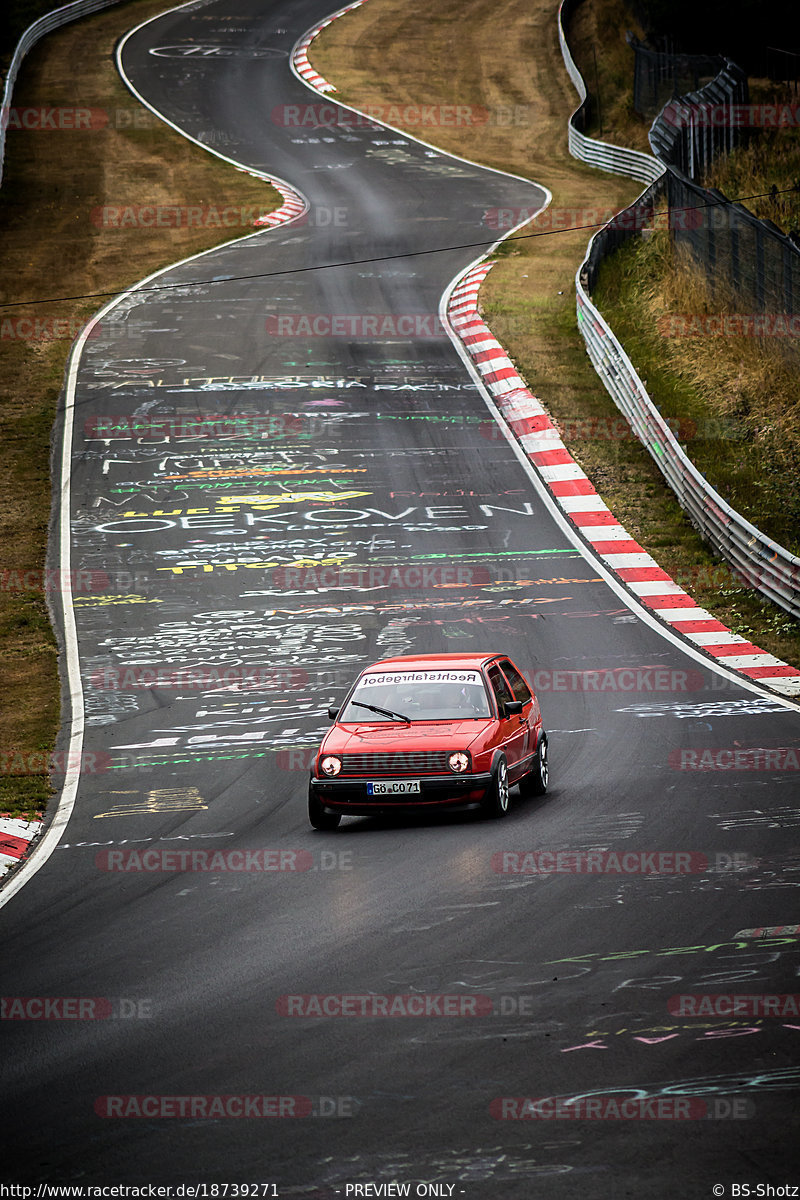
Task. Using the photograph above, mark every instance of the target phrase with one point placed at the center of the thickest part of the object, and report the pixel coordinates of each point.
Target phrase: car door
(513, 727)
(530, 707)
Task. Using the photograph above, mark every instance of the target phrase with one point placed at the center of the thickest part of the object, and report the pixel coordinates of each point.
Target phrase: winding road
(280, 468)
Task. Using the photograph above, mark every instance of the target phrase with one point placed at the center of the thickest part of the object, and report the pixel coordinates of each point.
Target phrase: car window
(500, 687)
(518, 685)
(426, 695)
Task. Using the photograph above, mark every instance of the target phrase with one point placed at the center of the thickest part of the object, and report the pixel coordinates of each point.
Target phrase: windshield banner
(397, 678)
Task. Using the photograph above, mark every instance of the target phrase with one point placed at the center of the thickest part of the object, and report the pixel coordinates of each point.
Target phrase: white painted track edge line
(269, 178)
(47, 841)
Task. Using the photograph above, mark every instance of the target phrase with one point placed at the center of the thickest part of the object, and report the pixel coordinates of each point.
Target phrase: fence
(659, 75)
(768, 567)
(692, 130)
(741, 255)
(33, 34)
(784, 65)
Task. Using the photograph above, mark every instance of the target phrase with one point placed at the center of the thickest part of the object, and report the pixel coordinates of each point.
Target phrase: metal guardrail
(767, 567)
(618, 159)
(33, 34)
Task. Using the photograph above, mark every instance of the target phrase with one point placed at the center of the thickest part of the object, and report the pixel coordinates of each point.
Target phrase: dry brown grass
(599, 47)
(771, 160)
(740, 391)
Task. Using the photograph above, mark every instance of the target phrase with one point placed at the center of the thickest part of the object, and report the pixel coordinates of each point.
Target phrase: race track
(347, 495)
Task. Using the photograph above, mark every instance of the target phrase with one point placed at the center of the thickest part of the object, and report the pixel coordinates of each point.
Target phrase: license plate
(394, 787)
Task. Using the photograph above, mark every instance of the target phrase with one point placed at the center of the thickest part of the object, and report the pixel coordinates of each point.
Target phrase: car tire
(319, 816)
(536, 781)
(497, 802)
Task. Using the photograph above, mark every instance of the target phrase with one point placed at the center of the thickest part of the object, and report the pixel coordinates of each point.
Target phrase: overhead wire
(360, 262)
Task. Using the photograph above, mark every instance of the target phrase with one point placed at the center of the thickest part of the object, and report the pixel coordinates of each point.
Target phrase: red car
(430, 730)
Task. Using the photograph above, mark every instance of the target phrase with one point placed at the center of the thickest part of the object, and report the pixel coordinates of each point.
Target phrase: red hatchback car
(430, 730)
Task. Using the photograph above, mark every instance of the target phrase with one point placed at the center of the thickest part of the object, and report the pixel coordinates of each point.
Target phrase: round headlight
(330, 765)
(459, 761)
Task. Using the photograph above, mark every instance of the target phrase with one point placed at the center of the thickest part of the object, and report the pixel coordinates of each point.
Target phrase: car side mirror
(333, 712)
(513, 707)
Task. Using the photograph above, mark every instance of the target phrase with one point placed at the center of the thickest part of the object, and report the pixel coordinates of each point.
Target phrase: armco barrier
(766, 566)
(36, 31)
(618, 159)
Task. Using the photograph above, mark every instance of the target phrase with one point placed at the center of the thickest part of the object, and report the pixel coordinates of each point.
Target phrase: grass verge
(742, 399)
(382, 54)
(54, 181)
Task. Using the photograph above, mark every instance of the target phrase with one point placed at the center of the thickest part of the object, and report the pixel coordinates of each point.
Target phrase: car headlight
(330, 765)
(458, 762)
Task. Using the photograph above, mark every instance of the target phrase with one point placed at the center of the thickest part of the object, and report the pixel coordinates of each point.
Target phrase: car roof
(431, 661)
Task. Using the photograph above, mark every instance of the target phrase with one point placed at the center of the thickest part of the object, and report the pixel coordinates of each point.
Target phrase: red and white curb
(15, 839)
(299, 58)
(530, 422)
(293, 206)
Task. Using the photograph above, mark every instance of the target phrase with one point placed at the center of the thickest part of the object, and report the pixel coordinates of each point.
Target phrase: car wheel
(497, 802)
(319, 816)
(536, 781)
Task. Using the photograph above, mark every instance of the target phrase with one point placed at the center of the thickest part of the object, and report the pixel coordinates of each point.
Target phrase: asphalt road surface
(347, 496)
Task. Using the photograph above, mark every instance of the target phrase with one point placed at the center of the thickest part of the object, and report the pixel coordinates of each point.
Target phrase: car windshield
(419, 696)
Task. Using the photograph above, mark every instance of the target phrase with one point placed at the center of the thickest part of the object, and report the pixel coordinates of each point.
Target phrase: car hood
(439, 735)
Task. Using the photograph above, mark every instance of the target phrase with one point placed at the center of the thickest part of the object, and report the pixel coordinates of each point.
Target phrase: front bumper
(350, 795)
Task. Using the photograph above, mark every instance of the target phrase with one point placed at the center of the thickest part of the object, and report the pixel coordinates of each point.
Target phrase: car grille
(409, 763)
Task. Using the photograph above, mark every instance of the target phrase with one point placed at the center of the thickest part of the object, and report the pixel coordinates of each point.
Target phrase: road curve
(328, 452)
